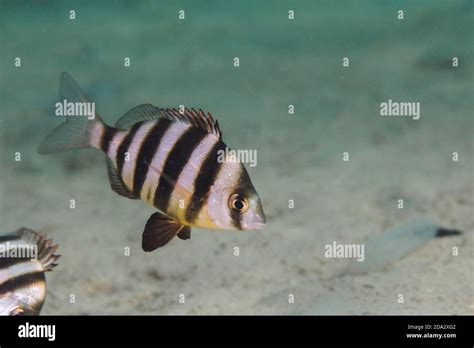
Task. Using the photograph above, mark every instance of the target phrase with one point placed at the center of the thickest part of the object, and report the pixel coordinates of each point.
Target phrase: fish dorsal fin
(46, 248)
(116, 183)
(198, 118)
(140, 113)
(147, 112)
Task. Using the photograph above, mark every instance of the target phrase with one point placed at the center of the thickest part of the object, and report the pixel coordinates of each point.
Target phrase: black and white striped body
(170, 165)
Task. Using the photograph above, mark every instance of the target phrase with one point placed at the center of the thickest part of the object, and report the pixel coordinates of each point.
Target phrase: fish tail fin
(76, 131)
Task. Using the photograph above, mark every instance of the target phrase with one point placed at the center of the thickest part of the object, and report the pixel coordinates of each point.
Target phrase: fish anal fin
(159, 230)
(116, 183)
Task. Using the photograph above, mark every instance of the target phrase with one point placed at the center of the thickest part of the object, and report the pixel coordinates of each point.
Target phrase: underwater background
(282, 269)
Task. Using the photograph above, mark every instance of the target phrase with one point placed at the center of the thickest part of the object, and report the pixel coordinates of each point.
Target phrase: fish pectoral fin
(160, 229)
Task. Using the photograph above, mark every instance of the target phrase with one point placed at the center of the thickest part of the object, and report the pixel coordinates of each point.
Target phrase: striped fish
(25, 256)
(169, 159)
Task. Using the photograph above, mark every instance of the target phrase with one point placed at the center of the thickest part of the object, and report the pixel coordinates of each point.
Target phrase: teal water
(282, 62)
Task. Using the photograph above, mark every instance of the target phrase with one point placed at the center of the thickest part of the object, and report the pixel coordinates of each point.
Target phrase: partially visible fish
(25, 256)
(167, 158)
(397, 242)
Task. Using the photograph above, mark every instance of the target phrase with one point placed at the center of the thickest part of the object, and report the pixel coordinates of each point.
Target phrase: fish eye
(239, 203)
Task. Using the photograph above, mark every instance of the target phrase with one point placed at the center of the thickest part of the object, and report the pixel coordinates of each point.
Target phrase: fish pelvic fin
(160, 230)
(76, 131)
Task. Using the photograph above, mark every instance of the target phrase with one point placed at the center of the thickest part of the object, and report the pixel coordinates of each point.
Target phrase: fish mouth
(257, 224)
(259, 219)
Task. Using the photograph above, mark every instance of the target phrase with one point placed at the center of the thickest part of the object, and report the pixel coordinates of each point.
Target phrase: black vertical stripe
(21, 281)
(175, 163)
(107, 137)
(10, 237)
(241, 186)
(146, 153)
(236, 218)
(124, 145)
(6, 262)
(205, 179)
